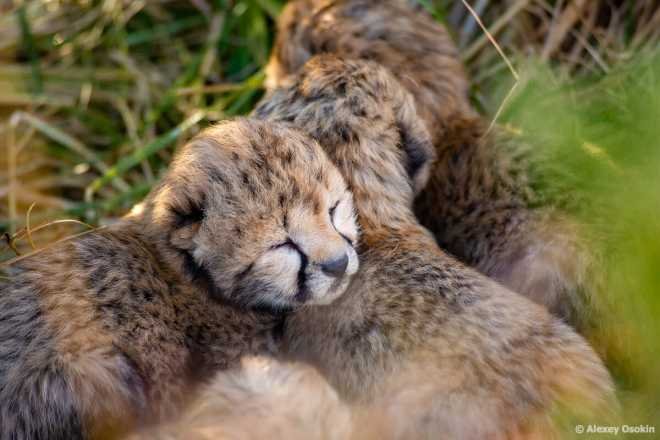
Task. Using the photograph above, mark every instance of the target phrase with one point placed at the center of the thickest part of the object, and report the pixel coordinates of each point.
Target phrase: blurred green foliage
(596, 142)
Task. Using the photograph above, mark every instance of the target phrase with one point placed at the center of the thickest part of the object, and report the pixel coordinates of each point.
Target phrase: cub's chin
(309, 285)
(267, 297)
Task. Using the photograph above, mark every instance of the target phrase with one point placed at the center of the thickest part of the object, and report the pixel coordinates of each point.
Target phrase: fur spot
(216, 176)
(346, 133)
(341, 88)
(288, 157)
(316, 204)
(319, 175)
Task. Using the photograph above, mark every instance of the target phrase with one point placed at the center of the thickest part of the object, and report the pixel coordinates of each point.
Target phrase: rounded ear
(186, 213)
(183, 237)
(175, 210)
(415, 141)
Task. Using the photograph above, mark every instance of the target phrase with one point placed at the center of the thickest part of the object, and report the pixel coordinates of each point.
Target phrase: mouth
(336, 290)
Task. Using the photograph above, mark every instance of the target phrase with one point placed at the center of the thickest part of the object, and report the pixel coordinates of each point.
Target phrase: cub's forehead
(260, 156)
(252, 140)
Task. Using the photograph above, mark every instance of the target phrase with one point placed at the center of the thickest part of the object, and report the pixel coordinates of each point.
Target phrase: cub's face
(257, 212)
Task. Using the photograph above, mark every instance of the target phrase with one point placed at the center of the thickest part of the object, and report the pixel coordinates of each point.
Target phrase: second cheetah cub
(111, 330)
(417, 332)
(482, 201)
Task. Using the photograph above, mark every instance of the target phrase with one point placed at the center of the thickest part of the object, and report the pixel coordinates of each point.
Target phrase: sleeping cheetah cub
(416, 328)
(112, 329)
(480, 198)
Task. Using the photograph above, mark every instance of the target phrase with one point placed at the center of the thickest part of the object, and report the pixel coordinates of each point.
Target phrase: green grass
(119, 88)
(597, 142)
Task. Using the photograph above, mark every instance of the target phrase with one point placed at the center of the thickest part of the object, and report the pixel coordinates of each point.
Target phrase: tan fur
(417, 50)
(116, 328)
(262, 399)
(479, 201)
(474, 359)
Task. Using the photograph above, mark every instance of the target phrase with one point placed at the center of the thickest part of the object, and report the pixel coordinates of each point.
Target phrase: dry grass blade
(500, 109)
(61, 137)
(26, 193)
(28, 231)
(69, 141)
(9, 241)
(214, 88)
(506, 60)
(652, 27)
(20, 234)
(470, 24)
(48, 246)
(138, 156)
(11, 164)
(494, 29)
(563, 26)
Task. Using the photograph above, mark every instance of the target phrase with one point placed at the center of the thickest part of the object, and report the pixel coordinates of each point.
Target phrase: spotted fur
(430, 344)
(114, 329)
(479, 203)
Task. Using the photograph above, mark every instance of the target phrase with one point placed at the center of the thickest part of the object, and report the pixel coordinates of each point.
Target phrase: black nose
(336, 267)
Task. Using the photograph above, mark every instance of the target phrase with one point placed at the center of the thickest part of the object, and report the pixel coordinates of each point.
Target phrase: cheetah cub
(479, 202)
(459, 353)
(111, 330)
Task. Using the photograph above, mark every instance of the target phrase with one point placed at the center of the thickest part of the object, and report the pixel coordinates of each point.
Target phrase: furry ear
(415, 141)
(186, 216)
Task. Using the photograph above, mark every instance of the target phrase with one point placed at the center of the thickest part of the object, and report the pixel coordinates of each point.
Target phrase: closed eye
(292, 246)
(332, 210)
(348, 240)
(287, 243)
(303, 263)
